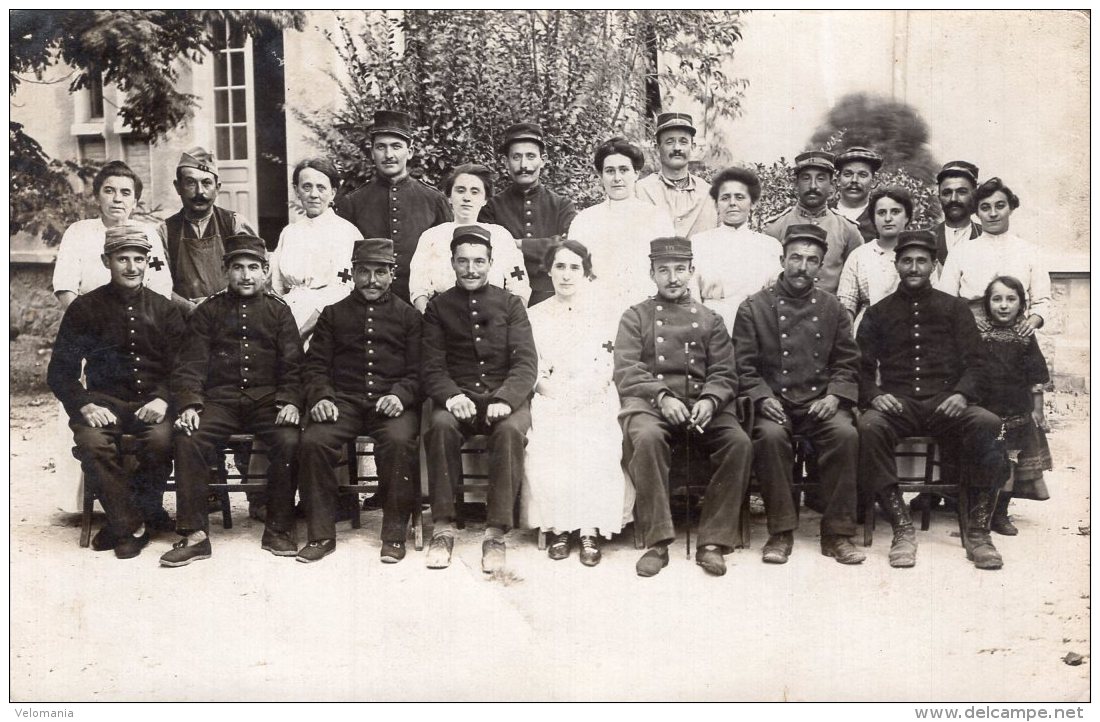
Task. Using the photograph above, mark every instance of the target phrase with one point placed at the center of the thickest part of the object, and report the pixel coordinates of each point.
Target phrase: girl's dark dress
(1015, 367)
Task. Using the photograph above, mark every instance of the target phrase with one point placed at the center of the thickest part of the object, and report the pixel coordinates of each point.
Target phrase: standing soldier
(957, 182)
(362, 376)
(855, 171)
(684, 197)
(813, 174)
(128, 337)
(535, 215)
(195, 236)
(393, 204)
(238, 372)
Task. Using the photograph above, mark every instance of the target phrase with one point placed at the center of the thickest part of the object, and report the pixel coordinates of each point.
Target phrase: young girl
(1014, 391)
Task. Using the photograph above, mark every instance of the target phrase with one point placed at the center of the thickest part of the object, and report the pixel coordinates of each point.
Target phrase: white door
(234, 124)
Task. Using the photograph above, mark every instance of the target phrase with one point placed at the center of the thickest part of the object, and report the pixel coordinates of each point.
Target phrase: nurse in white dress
(618, 230)
(468, 189)
(311, 265)
(575, 482)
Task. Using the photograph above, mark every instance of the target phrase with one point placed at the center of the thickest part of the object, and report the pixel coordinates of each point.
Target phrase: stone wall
(32, 308)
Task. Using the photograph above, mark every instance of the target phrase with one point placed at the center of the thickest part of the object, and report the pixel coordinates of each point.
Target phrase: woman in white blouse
(618, 230)
(869, 274)
(732, 261)
(78, 268)
(468, 189)
(311, 266)
(997, 252)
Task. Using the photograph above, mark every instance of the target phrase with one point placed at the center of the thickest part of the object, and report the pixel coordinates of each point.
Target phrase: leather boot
(1001, 522)
(979, 547)
(903, 548)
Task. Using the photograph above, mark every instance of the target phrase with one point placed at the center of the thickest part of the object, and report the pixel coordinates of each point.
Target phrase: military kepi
(126, 235)
(666, 121)
(958, 168)
(807, 233)
(245, 244)
(471, 233)
(522, 133)
(671, 247)
(919, 239)
(814, 159)
(373, 250)
(393, 122)
(198, 157)
(857, 153)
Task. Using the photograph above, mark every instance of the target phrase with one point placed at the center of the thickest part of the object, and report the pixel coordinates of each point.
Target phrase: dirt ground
(246, 625)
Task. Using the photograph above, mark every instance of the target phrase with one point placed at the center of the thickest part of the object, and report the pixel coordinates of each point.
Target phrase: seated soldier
(797, 362)
(921, 373)
(238, 372)
(127, 336)
(479, 370)
(658, 340)
(362, 377)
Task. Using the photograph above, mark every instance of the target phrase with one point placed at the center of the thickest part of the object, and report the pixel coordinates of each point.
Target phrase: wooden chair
(929, 475)
(365, 483)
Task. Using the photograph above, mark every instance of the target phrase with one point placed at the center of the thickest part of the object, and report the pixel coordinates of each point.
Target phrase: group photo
(648, 349)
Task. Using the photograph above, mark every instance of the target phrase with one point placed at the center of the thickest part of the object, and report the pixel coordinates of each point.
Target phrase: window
(230, 95)
(95, 97)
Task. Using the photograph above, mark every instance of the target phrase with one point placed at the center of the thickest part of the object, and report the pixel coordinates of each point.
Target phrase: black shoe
(652, 562)
(130, 546)
(777, 550)
(257, 510)
(315, 551)
(393, 552)
(105, 540)
(590, 551)
(183, 553)
(279, 543)
(1001, 522)
(710, 558)
(559, 546)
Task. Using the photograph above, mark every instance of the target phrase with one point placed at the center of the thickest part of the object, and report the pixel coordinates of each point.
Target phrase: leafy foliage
(134, 50)
(466, 75)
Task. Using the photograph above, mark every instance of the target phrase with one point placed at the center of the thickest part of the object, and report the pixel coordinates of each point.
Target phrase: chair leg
(227, 512)
(925, 517)
(868, 519)
(86, 513)
(746, 523)
(418, 527)
(356, 510)
(541, 537)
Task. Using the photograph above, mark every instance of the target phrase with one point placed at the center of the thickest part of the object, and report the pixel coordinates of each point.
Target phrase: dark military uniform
(240, 364)
(844, 237)
(400, 211)
(649, 364)
(537, 217)
(926, 347)
(797, 347)
(361, 351)
(129, 339)
(478, 343)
